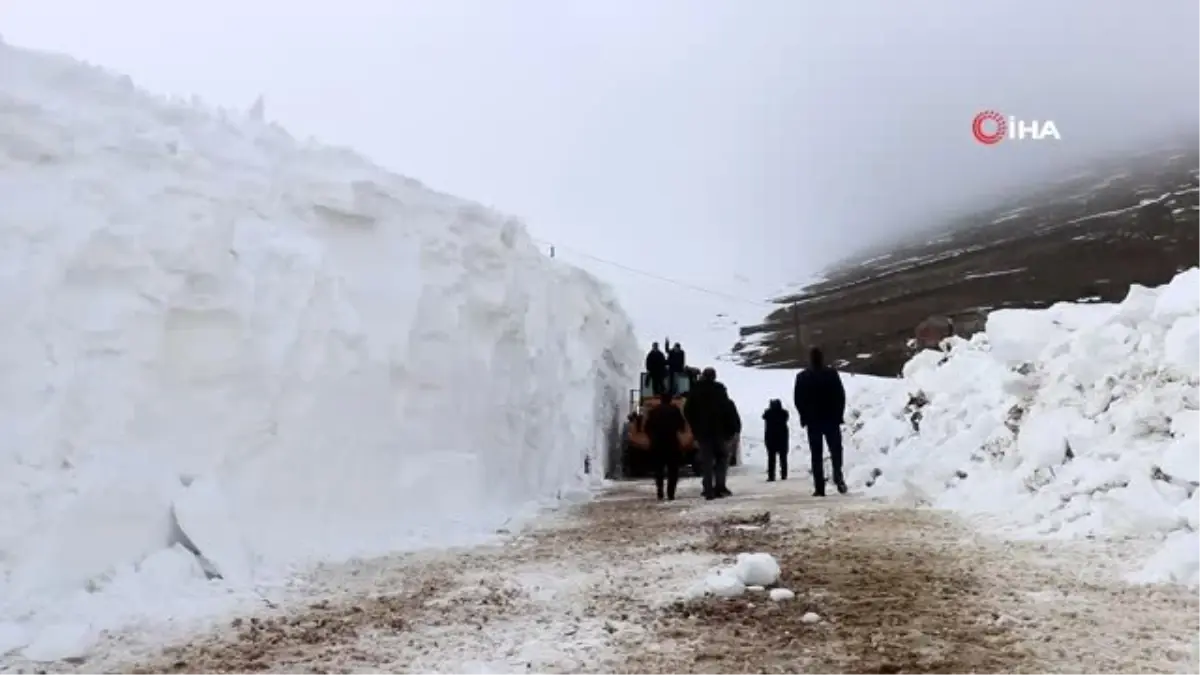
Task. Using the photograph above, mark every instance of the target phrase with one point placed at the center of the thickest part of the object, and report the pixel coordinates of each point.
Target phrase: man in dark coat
(708, 411)
(821, 402)
(775, 436)
(656, 368)
(663, 425)
(676, 359)
(676, 362)
(733, 427)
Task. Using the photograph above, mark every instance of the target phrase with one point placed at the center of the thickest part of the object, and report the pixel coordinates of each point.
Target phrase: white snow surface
(218, 337)
(1075, 420)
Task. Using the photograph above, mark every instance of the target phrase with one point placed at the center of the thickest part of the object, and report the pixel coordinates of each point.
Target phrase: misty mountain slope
(1131, 220)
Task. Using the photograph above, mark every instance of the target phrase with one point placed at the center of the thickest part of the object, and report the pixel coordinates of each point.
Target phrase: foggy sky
(753, 137)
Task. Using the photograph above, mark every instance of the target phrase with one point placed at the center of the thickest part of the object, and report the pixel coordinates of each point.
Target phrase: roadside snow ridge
(277, 353)
(1075, 420)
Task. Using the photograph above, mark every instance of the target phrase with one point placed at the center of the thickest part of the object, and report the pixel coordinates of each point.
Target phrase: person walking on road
(820, 401)
(733, 427)
(775, 437)
(663, 425)
(711, 415)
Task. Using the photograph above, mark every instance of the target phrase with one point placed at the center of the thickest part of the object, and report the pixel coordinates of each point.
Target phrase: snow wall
(1076, 420)
(218, 338)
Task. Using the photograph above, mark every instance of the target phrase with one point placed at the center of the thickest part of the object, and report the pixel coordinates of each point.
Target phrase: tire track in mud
(889, 602)
(600, 588)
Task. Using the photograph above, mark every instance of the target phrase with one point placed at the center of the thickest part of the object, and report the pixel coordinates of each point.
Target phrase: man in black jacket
(775, 436)
(713, 419)
(676, 368)
(656, 368)
(663, 425)
(821, 402)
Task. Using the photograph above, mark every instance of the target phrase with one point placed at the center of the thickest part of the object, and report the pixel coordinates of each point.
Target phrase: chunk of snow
(757, 569)
(810, 617)
(1179, 298)
(724, 584)
(778, 594)
(1181, 346)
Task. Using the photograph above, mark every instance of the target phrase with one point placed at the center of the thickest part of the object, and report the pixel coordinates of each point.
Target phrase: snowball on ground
(724, 584)
(778, 594)
(757, 569)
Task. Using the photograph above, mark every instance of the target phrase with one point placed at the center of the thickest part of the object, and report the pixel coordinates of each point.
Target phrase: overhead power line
(652, 275)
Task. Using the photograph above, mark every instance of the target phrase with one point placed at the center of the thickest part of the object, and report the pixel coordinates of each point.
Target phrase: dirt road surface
(601, 587)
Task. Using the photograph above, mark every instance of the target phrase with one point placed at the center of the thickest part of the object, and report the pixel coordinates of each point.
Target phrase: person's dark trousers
(706, 455)
(666, 470)
(721, 468)
(832, 434)
(777, 451)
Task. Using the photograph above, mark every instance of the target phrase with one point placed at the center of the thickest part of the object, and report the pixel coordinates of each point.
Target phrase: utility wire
(652, 275)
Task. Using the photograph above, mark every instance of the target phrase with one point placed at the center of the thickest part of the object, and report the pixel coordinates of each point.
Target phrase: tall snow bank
(1073, 420)
(219, 339)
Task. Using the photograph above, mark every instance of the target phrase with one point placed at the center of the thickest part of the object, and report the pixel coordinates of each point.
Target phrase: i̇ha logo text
(990, 127)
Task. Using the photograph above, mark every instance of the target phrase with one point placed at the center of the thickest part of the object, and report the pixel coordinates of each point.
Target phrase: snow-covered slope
(1074, 420)
(293, 353)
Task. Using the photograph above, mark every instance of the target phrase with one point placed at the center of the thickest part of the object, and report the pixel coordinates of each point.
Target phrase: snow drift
(219, 339)
(1076, 420)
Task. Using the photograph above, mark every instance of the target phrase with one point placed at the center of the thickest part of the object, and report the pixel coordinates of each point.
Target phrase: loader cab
(683, 384)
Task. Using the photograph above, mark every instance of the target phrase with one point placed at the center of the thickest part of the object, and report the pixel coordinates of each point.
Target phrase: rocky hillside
(1087, 236)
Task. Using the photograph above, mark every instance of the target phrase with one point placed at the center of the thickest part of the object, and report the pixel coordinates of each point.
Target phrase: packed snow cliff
(230, 354)
(1076, 420)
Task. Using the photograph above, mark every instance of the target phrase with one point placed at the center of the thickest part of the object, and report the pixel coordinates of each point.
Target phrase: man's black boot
(841, 487)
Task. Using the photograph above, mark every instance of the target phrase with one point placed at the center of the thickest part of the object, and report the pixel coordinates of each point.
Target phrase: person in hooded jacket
(708, 411)
(663, 426)
(820, 400)
(775, 437)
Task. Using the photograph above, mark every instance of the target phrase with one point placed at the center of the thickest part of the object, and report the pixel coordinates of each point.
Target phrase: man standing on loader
(676, 363)
(656, 368)
(714, 421)
(664, 423)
